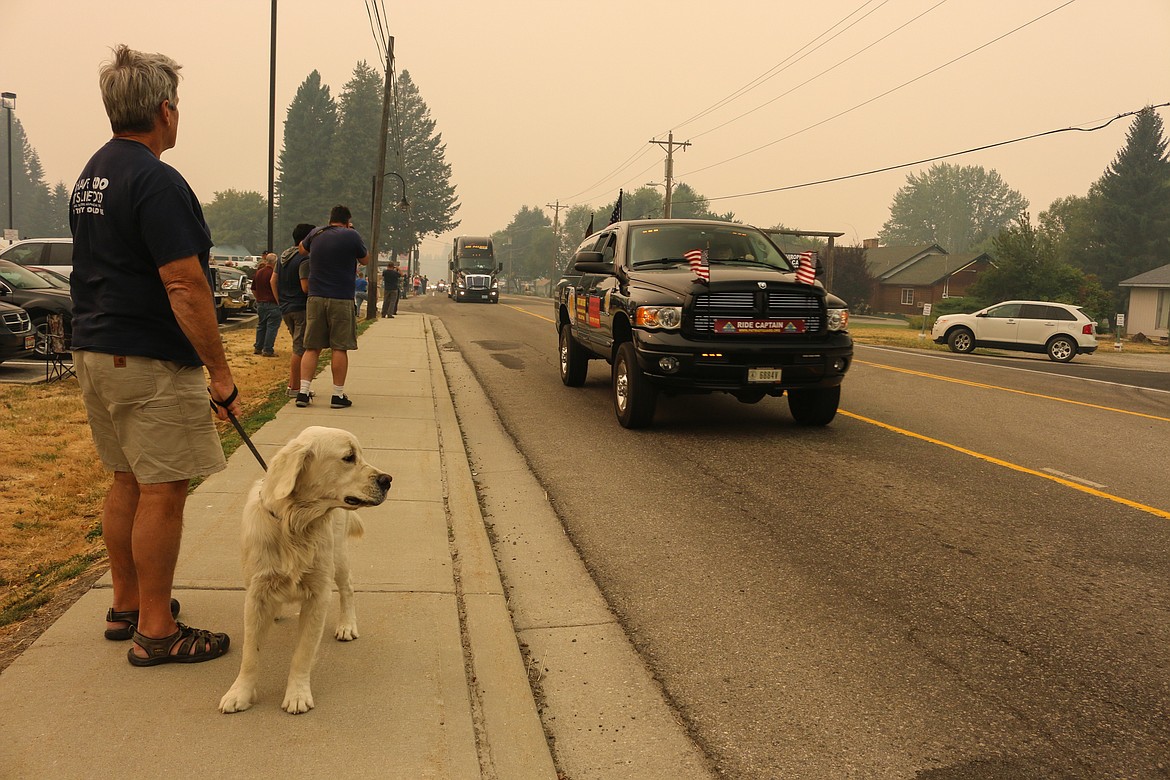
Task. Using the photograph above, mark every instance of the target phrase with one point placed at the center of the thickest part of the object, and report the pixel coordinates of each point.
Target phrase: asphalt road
(963, 576)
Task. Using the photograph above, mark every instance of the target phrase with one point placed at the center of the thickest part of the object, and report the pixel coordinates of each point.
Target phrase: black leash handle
(239, 428)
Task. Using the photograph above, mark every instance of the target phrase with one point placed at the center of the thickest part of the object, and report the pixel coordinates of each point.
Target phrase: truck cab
(694, 306)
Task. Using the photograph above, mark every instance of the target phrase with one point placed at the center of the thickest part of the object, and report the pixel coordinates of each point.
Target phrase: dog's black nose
(384, 481)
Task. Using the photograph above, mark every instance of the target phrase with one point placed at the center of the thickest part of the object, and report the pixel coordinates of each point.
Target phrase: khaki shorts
(149, 417)
(330, 322)
(295, 320)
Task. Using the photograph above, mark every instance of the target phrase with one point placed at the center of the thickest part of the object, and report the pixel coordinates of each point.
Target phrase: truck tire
(634, 398)
(574, 360)
(814, 407)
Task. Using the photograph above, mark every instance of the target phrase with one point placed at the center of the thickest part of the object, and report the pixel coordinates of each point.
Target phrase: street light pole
(9, 101)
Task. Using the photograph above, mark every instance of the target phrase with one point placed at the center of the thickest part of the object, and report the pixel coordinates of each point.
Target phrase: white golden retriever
(294, 541)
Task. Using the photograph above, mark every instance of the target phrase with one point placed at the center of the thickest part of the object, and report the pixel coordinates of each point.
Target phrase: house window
(907, 296)
(1163, 317)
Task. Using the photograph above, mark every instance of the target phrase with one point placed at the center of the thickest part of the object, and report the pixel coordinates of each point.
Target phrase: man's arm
(273, 282)
(192, 303)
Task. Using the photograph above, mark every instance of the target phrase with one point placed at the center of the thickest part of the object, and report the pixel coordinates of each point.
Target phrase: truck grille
(762, 304)
(478, 281)
(17, 321)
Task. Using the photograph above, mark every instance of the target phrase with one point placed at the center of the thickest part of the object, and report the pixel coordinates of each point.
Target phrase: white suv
(1057, 329)
(55, 254)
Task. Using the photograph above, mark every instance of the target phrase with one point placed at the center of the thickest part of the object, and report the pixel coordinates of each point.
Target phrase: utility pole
(272, 134)
(669, 145)
(556, 207)
(379, 185)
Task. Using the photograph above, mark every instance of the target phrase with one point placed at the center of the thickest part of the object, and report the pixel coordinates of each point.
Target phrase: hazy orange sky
(545, 101)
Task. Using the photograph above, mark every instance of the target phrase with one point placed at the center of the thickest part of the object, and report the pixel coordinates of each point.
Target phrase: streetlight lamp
(665, 187)
(8, 101)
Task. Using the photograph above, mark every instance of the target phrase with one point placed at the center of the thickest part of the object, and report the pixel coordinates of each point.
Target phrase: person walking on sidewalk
(267, 309)
(292, 295)
(144, 329)
(391, 279)
(334, 253)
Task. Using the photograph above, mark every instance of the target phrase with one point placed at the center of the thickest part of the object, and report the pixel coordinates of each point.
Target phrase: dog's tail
(353, 526)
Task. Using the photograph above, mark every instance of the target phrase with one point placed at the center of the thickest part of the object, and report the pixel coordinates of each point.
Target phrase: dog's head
(325, 466)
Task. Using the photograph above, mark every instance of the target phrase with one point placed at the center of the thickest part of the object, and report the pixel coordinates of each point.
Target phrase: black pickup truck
(693, 306)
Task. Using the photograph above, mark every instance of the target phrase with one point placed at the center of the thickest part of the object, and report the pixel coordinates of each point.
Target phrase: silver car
(1060, 330)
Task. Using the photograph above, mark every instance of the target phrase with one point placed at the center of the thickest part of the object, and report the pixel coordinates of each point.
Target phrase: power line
(826, 70)
(783, 64)
(889, 91)
(936, 158)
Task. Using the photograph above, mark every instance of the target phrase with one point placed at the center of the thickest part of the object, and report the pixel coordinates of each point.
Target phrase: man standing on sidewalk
(292, 295)
(391, 278)
(334, 253)
(144, 329)
(267, 309)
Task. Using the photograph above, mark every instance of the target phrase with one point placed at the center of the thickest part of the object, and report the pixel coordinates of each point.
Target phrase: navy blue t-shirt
(131, 214)
(333, 255)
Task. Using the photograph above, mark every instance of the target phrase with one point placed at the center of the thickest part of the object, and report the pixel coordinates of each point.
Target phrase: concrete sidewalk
(435, 687)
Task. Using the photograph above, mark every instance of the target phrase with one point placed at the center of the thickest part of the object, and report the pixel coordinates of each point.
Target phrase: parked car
(39, 298)
(60, 281)
(630, 296)
(17, 338)
(1060, 330)
(231, 292)
(56, 254)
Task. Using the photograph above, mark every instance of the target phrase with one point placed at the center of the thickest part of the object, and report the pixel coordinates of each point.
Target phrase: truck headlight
(659, 317)
(839, 319)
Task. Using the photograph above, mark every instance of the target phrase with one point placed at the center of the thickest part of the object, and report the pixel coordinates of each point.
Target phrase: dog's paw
(346, 632)
(237, 699)
(297, 699)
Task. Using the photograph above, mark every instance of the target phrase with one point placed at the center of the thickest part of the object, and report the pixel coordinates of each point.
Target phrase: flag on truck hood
(697, 259)
(806, 272)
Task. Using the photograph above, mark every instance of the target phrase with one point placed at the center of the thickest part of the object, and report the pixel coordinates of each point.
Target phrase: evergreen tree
(852, 281)
(956, 207)
(302, 189)
(354, 156)
(417, 153)
(1129, 207)
(32, 207)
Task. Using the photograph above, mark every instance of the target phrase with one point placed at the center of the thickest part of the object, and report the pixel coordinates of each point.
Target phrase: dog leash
(239, 428)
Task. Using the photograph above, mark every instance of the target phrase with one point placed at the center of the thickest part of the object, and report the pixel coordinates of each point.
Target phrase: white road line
(1071, 478)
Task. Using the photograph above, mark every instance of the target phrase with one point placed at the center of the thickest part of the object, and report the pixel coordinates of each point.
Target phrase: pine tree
(417, 153)
(302, 189)
(354, 158)
(32, 210)
(1130, 206)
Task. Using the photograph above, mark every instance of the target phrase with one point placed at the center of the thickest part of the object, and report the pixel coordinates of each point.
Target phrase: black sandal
(130, 616)
(158, 651)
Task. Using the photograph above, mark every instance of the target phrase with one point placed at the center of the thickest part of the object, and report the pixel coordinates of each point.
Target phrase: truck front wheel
(634, 398)
(814, 407)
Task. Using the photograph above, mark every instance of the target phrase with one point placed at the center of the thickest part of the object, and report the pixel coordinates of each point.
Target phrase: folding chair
(58, 350)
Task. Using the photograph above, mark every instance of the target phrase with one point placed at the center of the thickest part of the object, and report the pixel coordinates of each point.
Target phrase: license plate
(763, 375)
(29, 341)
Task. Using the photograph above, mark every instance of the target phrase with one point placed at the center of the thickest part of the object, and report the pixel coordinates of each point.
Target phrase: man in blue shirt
(330, 321)
(144, 330)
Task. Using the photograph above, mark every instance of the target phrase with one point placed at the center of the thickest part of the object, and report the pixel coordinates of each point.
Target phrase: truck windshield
(668, 244)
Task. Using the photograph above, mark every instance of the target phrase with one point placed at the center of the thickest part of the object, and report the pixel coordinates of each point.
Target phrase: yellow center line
(1012, 390)
(1013, 466)
(529, 313)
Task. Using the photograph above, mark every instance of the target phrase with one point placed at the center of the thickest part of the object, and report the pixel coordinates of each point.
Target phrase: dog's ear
(286, 469)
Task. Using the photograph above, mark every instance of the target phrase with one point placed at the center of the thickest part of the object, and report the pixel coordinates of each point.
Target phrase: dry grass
(52, 487)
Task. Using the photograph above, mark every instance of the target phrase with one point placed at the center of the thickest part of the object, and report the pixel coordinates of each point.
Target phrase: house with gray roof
(905, 277)
(1148, 311)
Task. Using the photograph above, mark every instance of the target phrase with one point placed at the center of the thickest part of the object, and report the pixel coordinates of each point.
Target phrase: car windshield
(666, 245)
(21, 278)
